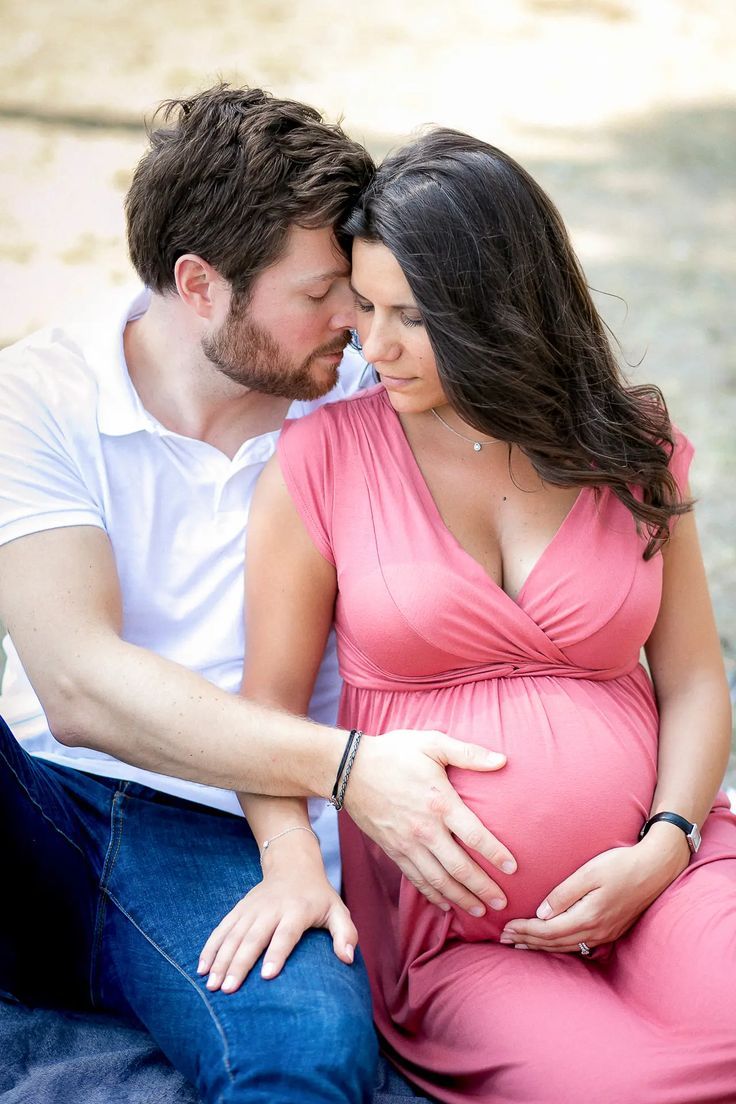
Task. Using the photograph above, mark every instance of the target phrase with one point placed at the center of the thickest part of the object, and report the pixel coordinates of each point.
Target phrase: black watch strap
(692, 833)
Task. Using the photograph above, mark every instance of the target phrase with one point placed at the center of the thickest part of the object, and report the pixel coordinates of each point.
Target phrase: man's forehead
(314, 276)
(313, 255)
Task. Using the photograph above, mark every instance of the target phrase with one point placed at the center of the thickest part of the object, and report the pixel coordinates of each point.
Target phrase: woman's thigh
(652, 1023)
(501, 1025)
(677, 965)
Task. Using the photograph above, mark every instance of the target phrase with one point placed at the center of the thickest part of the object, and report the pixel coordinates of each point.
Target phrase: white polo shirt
(77, 447)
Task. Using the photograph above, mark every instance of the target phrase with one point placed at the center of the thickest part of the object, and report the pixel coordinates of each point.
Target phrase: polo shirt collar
(119, 408)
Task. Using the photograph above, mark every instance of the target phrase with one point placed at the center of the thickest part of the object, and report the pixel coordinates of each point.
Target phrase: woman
(500, 527)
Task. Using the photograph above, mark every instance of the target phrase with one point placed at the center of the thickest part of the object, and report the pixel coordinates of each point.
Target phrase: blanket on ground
(50, 1057)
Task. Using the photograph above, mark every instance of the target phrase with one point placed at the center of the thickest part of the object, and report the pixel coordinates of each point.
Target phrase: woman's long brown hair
(521, 351)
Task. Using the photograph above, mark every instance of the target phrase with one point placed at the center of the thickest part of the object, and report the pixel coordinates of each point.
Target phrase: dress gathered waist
(377, 680)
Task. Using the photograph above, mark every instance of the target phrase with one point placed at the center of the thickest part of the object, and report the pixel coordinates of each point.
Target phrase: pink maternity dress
(428, 641)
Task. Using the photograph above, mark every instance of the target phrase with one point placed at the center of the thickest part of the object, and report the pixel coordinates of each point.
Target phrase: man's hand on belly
(400, 796)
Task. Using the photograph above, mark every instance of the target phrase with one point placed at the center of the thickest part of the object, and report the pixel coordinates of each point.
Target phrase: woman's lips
(396, 382)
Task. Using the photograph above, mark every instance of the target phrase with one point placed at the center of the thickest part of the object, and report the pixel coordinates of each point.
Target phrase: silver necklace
(477, 445)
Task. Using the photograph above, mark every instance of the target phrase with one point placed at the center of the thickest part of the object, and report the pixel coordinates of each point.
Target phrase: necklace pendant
(477, 446)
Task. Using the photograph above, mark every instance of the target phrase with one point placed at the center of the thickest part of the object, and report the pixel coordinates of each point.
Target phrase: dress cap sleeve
(682, 455)
(306, 457)
(679, 465)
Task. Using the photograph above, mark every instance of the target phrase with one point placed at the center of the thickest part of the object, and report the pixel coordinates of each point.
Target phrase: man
(129, 448)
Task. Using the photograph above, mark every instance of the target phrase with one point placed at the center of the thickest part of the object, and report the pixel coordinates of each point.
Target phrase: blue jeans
(112, 889)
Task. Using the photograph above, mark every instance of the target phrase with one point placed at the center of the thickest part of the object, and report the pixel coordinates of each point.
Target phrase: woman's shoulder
(340, 420)
(681, 458)
(366, 404)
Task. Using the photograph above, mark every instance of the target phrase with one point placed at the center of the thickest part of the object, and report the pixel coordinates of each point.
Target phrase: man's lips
(335, 352)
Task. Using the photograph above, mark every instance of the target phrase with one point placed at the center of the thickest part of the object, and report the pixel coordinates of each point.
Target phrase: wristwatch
(692, 832)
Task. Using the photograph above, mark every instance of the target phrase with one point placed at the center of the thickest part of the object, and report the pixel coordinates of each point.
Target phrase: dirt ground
(625, 110)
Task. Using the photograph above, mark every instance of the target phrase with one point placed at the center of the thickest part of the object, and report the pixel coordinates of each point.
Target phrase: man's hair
(227, 173)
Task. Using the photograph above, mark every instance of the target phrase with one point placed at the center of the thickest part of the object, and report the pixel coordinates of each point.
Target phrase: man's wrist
(342, 777)
(327, 750)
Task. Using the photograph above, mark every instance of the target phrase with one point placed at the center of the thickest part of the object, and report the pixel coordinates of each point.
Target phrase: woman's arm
(686, 665)
(293, 896)
(604, 897)
(289, 600)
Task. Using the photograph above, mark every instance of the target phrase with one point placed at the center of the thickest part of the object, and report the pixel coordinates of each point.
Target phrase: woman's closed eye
(366, 307)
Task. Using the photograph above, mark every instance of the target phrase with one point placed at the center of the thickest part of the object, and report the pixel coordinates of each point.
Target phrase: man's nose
(344, 314)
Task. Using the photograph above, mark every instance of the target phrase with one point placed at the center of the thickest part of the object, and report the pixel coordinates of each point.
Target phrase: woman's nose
(377, 344)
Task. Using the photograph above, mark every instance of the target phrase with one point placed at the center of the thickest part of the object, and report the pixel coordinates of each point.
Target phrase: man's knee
(306, 1036)
(327, 1046)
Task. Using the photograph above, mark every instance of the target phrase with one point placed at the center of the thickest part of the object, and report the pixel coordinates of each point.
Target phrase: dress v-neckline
(428, 501)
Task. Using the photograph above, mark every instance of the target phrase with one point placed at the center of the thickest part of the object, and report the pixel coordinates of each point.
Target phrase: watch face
(693, 838)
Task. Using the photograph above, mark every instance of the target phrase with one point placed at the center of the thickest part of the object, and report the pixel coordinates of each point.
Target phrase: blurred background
(625, 110)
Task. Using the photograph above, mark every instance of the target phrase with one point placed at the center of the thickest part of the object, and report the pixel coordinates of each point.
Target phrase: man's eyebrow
(318, 277)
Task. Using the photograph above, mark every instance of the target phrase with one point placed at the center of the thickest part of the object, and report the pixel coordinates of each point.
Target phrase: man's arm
(60, 601)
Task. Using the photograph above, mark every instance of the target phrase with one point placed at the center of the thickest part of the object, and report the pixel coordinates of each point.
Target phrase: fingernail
(510, 934)
(477, 910)
(202, 967)
(349, 952)
(268, 970)
(498, 903)
(213, 981)
(506, 939)
(229, 983)
(444, 906)
(495, 757)
(521, 946)
(508, 867)
(544, 911)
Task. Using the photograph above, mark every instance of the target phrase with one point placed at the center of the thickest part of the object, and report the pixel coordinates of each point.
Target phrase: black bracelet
(343, 771)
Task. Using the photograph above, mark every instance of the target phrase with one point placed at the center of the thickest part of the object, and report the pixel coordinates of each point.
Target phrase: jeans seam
(113, 848)
(40, 807)
(180, 970)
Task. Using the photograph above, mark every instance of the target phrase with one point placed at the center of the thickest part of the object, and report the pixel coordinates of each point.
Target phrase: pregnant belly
(579, 779)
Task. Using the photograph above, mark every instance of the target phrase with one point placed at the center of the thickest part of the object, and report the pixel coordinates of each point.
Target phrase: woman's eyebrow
(394, 306)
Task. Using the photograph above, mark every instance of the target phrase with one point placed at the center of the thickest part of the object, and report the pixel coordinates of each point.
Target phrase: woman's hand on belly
(599, 901)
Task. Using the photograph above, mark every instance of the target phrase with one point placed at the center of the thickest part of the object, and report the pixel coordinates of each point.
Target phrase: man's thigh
(54, 830)
(177, 869)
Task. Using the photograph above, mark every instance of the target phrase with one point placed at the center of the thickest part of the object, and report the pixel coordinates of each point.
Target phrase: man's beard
(248, 354)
